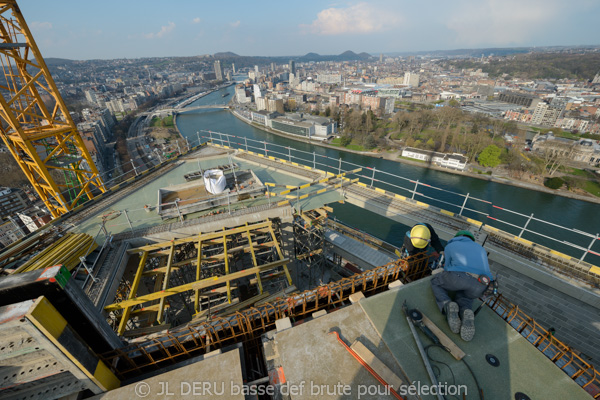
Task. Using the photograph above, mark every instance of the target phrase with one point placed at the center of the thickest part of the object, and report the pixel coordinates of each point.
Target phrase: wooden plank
(146, 331)
(161, 270)
(283, 293)
(146, 310)
(198, 272)
(246, 303)
(268, 277)
(377, 365)
(444, 339)
(220, 257)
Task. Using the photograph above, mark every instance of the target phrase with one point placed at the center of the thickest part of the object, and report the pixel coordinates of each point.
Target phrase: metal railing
(574, 242)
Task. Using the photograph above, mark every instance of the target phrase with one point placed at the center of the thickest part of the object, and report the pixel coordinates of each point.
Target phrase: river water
(562, 211)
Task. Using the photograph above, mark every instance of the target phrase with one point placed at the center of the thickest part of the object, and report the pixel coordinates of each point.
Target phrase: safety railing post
(134, 168)
(314, 160)
(246, 143)
(128, 220)
(289, 154)
(415, 189)
(178, 210)
(526, 223)
(229, 203)
(373, 178)
(228, 140)
(265, 148)
(340, 166)
(178, 147)
(210, 133)
(198, 136)
(464, 204)
(589, 248)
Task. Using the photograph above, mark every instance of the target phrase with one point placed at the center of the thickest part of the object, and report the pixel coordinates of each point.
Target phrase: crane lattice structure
(35, 123)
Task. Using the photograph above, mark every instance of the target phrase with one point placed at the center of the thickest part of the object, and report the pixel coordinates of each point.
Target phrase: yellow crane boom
(35, 123)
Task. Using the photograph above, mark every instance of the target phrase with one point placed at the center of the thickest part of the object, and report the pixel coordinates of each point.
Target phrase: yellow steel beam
(287, 273)
(202, 284)
(306, 185)
(226, 267)
(161, 308)
(157, 271)
(198, 273)
(132, 293)
(260, 288)
(219, 257)
(146, 310)
(205, 237)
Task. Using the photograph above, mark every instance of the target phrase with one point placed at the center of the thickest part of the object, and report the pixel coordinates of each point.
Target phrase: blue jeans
(465, 287)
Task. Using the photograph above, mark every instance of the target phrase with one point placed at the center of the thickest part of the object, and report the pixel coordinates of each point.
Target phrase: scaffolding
(247, 325)
(190, 276)
(309, 245)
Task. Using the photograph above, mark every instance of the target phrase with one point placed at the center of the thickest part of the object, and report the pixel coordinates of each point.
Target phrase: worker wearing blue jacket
(467, 274)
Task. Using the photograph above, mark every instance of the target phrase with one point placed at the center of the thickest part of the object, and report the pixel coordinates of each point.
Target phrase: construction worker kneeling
(419, 238)
(467, 274)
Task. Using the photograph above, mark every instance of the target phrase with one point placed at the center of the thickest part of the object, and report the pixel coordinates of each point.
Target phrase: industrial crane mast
(35, 123)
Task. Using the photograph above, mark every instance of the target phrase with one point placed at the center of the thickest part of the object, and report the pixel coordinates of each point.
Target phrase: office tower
(218, 70)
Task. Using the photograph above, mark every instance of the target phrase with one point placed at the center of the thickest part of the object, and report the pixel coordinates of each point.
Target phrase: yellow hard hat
(420, 236)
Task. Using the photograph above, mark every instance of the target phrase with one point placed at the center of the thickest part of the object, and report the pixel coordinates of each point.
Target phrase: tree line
(536, 66)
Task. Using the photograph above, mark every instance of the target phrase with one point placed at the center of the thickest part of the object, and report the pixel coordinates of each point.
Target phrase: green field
(166, 122)
(355, 147)
(592, 188)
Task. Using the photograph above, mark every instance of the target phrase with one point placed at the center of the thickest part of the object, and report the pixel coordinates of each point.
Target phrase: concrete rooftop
(307, 353)
(148, 195)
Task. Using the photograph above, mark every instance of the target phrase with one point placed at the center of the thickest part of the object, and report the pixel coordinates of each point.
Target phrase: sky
(109, 29)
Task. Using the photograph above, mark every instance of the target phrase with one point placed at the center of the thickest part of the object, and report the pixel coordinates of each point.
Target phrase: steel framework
(247, 325)
(35, 123)
(200, 253)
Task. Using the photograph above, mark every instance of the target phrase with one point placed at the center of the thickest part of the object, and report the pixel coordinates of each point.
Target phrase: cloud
(40, 25)
(196, 20)
(162, 32)
(357, 18)
(235, 24)
(503, 22)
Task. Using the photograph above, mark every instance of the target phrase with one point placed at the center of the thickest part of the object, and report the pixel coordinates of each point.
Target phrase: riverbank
(395, 156)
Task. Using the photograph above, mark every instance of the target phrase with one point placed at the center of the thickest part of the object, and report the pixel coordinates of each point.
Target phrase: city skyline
(81, 30)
